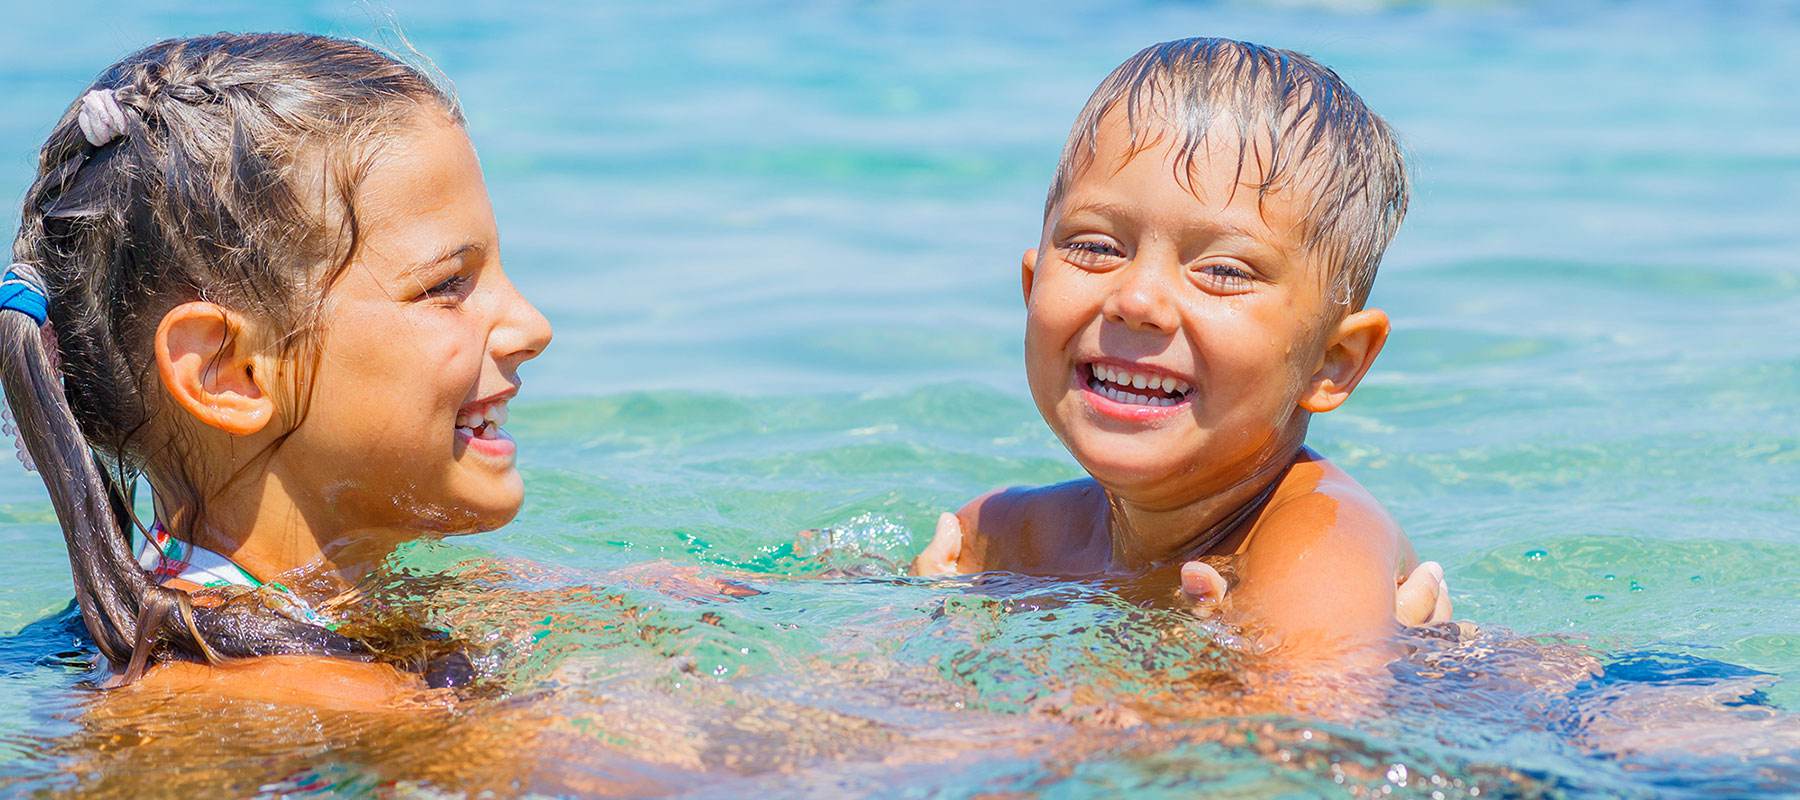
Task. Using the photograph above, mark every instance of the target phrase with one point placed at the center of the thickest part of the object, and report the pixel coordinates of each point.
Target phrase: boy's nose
(1142, 300)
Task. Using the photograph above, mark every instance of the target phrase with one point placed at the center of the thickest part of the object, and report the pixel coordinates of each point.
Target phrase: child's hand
(1200, 583)
(1423, 598)
(940, 557)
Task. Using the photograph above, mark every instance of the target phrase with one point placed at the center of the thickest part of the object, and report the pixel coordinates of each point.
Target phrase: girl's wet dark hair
(232, 184)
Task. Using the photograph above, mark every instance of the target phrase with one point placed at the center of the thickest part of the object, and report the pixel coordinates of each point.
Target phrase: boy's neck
(1144, 536)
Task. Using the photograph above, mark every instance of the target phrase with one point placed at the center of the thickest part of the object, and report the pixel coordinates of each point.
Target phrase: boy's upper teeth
(1140, 380)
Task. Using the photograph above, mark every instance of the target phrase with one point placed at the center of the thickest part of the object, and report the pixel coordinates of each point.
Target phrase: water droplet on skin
(1595, 598)
(1695, 579)
(1536, 555)
(1636, 587)
(1610, 577)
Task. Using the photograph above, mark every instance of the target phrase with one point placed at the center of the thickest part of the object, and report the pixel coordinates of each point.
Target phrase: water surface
(779, 246)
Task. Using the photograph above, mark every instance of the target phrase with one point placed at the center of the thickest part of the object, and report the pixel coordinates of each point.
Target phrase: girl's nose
(522, 332)
(1142, 300)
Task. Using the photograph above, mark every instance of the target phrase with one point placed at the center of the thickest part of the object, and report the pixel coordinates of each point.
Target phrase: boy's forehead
(1223, 170)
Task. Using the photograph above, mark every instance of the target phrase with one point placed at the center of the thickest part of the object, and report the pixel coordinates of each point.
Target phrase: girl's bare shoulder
(319, 682)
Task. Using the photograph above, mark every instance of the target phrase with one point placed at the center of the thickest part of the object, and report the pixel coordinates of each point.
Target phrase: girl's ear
(1349, 352)
(209, 362)
(1027, 268)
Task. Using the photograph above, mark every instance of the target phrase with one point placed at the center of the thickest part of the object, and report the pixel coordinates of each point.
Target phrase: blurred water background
(779, 245)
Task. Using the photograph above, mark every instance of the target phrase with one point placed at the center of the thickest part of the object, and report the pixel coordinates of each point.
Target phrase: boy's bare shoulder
(1320, 506)
(1029, 528)
(1320, 566)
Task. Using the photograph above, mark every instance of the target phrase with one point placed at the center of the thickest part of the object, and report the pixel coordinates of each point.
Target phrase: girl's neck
(1148, 535)
(263, 530)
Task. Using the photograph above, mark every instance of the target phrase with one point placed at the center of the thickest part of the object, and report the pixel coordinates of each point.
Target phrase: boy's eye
(1225, 277)
(1089, 253)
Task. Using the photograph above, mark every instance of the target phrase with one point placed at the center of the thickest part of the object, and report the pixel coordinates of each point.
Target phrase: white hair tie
(101, 118)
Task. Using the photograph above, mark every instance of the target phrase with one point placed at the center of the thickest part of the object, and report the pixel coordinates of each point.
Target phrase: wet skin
(1207, 286)
(422, 332)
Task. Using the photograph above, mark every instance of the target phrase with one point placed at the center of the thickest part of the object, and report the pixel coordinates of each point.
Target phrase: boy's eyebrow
(1100, 209)
(1115, 210)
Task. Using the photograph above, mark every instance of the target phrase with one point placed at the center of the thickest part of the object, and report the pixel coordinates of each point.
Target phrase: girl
(260, 273)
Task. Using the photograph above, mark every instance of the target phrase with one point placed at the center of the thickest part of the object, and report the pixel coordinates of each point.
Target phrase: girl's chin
(487, 506)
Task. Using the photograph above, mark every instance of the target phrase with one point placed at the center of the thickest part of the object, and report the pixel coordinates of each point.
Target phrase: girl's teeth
(485, 423)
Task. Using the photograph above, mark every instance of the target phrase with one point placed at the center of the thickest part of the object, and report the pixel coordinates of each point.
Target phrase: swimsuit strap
(170, 560)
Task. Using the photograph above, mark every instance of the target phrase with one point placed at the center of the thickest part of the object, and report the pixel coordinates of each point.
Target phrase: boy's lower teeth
(1118, 395)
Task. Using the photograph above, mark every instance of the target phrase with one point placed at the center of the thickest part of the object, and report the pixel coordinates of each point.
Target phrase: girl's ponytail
(127, 615)
(47, 432)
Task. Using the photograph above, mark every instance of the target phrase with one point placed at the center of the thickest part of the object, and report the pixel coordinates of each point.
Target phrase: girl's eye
(1225, 277)
(448, 287)
(1090, 253)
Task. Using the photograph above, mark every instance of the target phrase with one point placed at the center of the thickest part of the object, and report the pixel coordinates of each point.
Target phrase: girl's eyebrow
(449, 254)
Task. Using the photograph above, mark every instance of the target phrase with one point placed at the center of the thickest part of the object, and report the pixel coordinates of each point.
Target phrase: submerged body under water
(780, 248)
(838, 676)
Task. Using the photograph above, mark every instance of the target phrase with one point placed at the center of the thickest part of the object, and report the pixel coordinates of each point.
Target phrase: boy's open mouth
(482, 421)
(1136, 387)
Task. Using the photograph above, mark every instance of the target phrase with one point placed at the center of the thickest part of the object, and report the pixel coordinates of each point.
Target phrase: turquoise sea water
(779, 246)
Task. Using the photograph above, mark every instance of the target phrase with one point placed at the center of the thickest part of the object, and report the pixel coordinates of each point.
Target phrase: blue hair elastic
(22, 291)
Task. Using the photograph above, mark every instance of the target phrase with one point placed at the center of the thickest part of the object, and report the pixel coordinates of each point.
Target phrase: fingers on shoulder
(940, 555)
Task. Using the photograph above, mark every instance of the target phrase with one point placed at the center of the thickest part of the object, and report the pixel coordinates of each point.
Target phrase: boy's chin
(1128, 476)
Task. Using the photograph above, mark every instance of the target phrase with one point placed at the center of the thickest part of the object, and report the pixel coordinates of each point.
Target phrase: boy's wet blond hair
(1297, 124)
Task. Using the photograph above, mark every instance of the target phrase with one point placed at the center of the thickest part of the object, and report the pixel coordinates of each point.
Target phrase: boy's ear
(1027, 266)
(211, 367)
(1349, 352)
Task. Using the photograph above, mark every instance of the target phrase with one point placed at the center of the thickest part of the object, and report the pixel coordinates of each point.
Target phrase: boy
(1197, 295)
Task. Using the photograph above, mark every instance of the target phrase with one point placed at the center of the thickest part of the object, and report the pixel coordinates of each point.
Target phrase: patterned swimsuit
(172, 561)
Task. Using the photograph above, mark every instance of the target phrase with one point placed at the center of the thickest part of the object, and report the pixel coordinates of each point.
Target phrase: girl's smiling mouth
(1132, 392)
(478, 427)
